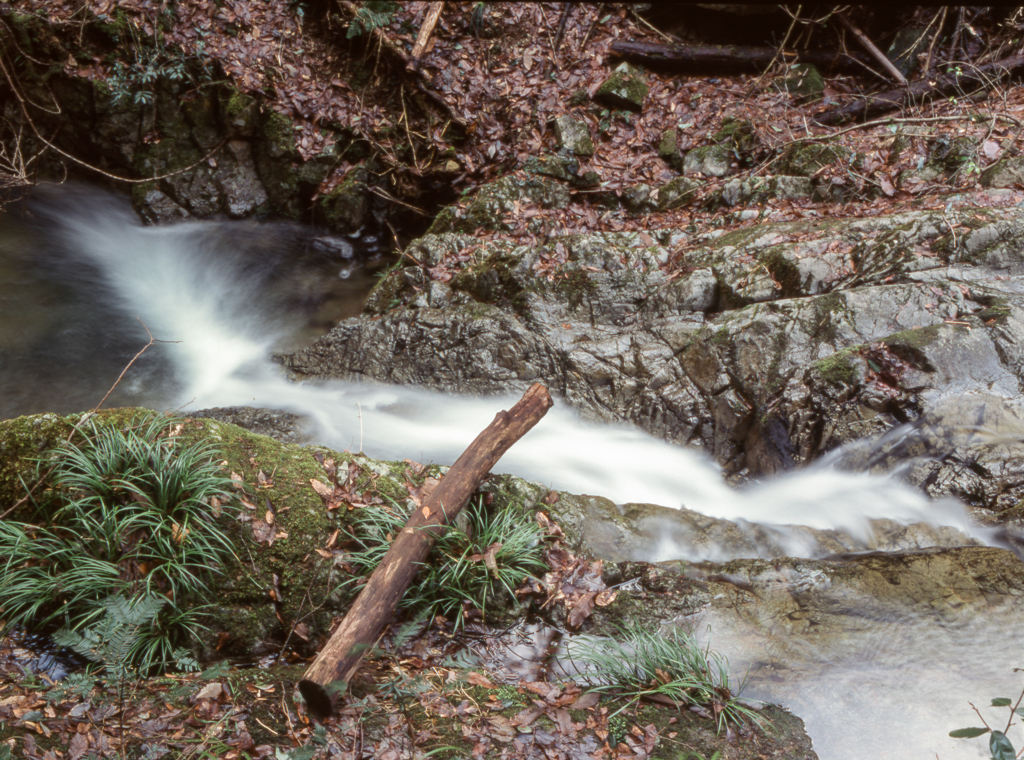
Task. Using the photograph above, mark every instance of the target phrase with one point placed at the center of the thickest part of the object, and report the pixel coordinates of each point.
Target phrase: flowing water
(83, 284)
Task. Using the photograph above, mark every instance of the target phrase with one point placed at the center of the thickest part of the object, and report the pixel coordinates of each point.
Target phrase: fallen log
(890, 100)
(378, 601)
(732, 57)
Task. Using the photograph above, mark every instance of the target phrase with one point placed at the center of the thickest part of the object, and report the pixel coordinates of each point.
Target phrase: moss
(839, 368)
(804, 160)
(279, 131)
(238, 103)
(783, 271)
(996, 311)
(344, 209)
(917, 338)
(736, 134)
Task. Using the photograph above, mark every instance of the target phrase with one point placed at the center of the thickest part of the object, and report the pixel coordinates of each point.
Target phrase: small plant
(476, 565)
(999, 745)
(134, 80)
(371, 15)
(672, 665)
(129, 512)
(113, 639)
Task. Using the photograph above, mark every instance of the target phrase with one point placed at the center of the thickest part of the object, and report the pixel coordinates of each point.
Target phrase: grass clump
(670, 665)
(130, 512)
(477, 563)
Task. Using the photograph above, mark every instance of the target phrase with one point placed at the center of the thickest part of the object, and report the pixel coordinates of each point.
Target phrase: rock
(573, 135)
(769, 345)
(807, 159)
(1007, 172)
(346, 208)
(907, 44)
(489, 206)
(559, 167)
(677, 192)
(804, 82)
(708, 160)
(668, 149)
(625, 89)
(738, 192)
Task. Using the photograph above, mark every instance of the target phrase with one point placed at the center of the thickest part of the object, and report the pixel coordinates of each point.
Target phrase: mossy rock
(625, 88)
(346, 207)
(806, 159)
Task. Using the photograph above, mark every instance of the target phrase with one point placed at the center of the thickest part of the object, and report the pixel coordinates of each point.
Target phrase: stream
(83, 284)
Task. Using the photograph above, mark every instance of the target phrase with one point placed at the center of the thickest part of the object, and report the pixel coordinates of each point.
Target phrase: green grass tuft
(477, 563)
(670, 664)
(131, 512)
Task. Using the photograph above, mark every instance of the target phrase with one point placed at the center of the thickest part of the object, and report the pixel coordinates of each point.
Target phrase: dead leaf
(78, 746)
(323, 489)
(262, 533)
(490, 558)
(210, 691)
(478, 679)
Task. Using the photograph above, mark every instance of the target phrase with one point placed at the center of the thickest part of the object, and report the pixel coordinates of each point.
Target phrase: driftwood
(376, 604)
(890, 100)
(731, 57)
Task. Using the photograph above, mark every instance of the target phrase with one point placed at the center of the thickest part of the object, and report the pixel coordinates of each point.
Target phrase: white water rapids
(896, 696)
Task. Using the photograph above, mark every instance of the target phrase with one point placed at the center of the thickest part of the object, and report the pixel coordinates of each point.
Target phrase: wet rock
(649, 533)
(769, 345)
(346, 208)
(273, 423)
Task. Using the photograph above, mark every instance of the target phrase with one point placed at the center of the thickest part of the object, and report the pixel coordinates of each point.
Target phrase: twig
(597, 17)
(433, 14)
(941, 15)
(870, 47)
(566, 10)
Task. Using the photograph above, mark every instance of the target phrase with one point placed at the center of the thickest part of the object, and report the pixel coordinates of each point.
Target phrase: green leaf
(1002, 702)
(1000, 747)
(968, 733)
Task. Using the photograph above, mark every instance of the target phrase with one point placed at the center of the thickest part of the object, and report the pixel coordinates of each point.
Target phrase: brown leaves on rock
(573, 582)
(341, 490)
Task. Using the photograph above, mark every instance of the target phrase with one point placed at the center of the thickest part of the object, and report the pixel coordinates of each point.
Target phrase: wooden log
(890, 100)
(378, 601)
(731, 57)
